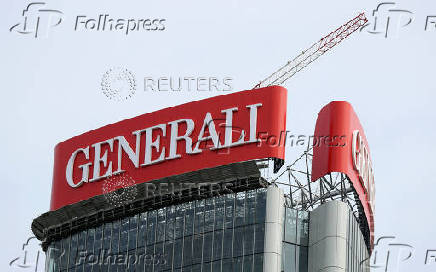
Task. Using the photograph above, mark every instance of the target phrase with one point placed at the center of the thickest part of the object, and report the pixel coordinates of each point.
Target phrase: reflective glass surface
(295, 241)
(224, 233)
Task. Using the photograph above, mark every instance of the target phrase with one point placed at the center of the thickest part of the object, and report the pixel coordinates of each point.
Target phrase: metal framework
(303, 194)
(314, 52)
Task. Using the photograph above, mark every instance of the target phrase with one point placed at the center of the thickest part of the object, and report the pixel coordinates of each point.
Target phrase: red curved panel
(350, 155)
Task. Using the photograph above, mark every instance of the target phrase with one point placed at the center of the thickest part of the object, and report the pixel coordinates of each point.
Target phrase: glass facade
(295, 241)
(357, 253)
(224, 233)
(218, 234)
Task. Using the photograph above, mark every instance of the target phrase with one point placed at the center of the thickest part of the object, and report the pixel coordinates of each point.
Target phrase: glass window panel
(209, 215)
(151, 227)
(197, 248)
(148, 262)
(170, 221)
(303, 228)
(160, 231)
(65, 252)
(289, 257)
(291, 226)
(237, 264)
(216, 266)
(98, 239)
(199, 217)
(113, 267)
(189, 219)
(219, 212)
(178, 253)
(227, 243)
(230, 206)
(140, 252)
(121, 261)
(258, 263)
(73, 251)
(238, 242)
(90, 249)
(167, 258)
(124, 234)
(207, 247)
(259, 237)
(248, 239)
(260, 206)
(133, 231)
(56, 253)
(207, 267)
(196, 268)
(240, 209)
(142, 231)
(303, 259)
(115, 236)
(248, 263)
(187, 250)
(107, 236)
(217, 244)
(78, 262)
(179, 223)
(81, 242)
(227, 265)
(159, 251)
(250, 207)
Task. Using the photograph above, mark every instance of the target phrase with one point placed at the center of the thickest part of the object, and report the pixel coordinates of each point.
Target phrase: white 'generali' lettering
(150, 145)
(363, 165)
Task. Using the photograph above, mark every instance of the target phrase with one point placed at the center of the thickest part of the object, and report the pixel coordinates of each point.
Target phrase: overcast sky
(51, 90)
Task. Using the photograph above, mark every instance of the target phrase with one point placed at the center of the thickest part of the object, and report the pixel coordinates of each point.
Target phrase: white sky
(51, 91)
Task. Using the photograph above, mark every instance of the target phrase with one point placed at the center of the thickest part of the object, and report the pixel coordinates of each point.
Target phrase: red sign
(193, 136)
(338, 119)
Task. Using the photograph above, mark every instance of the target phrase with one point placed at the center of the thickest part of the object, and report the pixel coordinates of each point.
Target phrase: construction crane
(314, 52)
(303, 194)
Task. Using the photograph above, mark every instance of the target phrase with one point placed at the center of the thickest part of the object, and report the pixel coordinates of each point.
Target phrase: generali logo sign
(193, 145)
(363, 165)
(352, 159)
(197, 135)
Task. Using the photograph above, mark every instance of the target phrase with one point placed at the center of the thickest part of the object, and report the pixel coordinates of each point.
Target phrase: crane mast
(314, 52)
